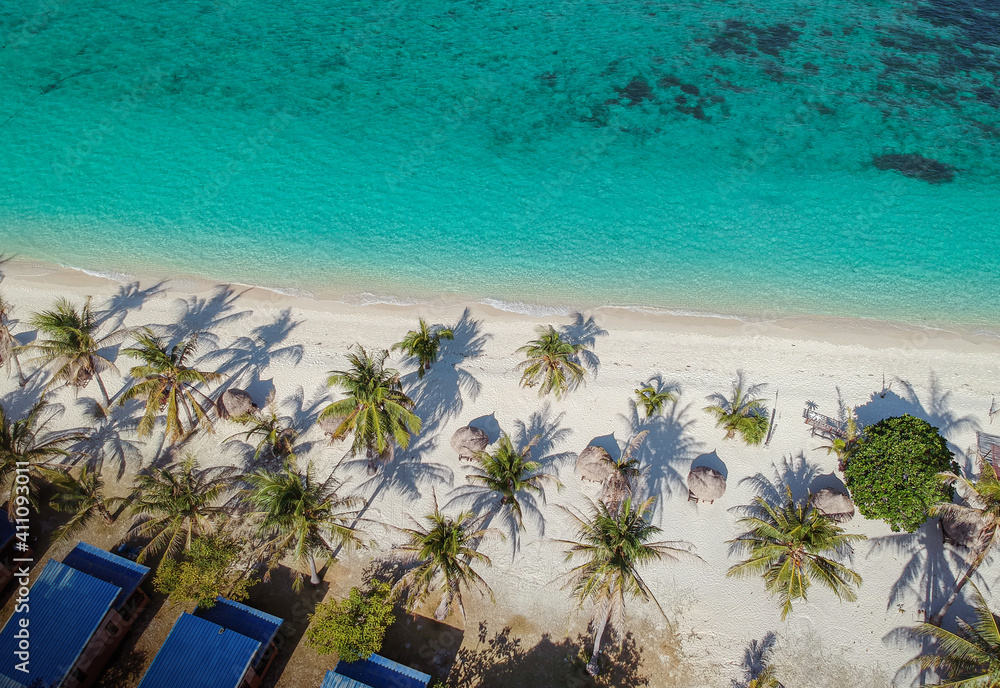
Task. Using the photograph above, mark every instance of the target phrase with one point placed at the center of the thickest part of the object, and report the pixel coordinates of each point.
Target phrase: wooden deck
(824, 426)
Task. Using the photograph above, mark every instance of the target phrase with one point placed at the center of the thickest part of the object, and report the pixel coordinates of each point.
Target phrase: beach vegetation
(446, 556)
(8, 344)
(742, 412)
(375, 409)
(624, 474)
(653, 399)
(893, 471)
(27, 442)
(843, 446)
(423, 344)
(982, 506)
(177, 503)
(552, 363)
(211, 569)
(968, 658)
(792, 545)
(355, 626)
(70, 344)
(167, 383)
(302, 516)
(81, 496)
(613, 546)
(268, 433)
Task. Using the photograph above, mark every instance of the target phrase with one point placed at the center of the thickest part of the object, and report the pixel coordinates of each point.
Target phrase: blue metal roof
(109, 567)
(200, 654)
(66, 607)
(7, 529)
(245, 620)
(379, 672)
(335, 680)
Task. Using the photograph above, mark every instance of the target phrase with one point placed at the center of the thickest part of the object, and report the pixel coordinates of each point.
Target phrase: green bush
(892, 471)
(353, 627)
(209, 569)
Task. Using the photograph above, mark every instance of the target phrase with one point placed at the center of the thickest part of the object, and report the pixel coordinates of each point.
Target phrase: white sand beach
(264, 340)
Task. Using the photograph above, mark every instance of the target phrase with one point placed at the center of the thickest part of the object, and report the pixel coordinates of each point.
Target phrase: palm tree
(423, 344)
(446, 550)
(653, 398)
(270, 432)
(786, 546)
(625, 473)
(82, 497)
(165, 380)
(72, 344)
(28, 443)
(969, 658)
(375, 410)
(8, 345)
(614, 545)
(302, 515)
(508, 473)
(742, 413)
(552, 362)
(982, 496)
(175, 504)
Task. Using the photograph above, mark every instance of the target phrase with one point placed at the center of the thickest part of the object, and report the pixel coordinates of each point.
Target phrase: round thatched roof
(235, 403)
(834, 504)
(961, 528)
(594, 464)
(706, 483)
(468, 440)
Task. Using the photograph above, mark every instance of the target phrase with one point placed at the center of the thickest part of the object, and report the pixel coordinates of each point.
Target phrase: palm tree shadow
(305, 413)
(795, 473)
(110, 439)
(668, 447)
(584, 331)
(203, 315)
(129, 297)
(243, 360)
(756, 659)
(547, 427)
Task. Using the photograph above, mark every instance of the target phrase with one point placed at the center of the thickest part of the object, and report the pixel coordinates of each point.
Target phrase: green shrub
(892, 472)
(208, 570)
(352, 627)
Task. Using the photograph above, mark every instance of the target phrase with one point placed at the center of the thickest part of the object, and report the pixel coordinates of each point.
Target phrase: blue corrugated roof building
(126, 574)
(65, 608)
(375, 672)
(215, 648)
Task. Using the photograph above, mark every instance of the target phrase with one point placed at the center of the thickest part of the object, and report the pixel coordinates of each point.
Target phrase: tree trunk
(22, 380)
(978, 554)
(441, 613)
(313, 574)
(103, 511)
(592, 667)
(104, 391)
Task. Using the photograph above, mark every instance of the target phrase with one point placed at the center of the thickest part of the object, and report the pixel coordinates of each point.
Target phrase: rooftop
(108, 567)
(245, 620)
(375, 672)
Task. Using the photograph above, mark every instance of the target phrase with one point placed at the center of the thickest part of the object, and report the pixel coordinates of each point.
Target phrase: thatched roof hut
(705, 484)
(468, 440)
(594, 464)
(962, 528)
(833, 504)
(235, 403)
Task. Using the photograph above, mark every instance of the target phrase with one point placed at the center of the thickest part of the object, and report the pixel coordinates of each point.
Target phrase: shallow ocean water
(710, 156)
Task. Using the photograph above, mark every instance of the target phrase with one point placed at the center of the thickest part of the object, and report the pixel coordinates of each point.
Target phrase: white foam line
(526, 308)
(121, 277)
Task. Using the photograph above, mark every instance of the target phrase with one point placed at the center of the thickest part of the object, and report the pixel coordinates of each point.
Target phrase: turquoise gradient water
(693, 154)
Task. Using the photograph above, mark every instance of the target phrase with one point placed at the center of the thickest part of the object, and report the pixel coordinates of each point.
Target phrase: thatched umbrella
(705, 484)
(833, 504)
(594, 464)
(961, 529)
(235, 403)
(467, 441)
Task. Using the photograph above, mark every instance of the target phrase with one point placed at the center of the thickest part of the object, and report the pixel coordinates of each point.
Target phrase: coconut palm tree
(375, 410)
(175, 504)
(446, 552)
(9, 345)
(552, 362)
(423, 344)
(613, 546)
(969, 658)
(28, 443)
(741, 413)
(653, 398)
(510, 476)
(271, 432)
(302, 515)
(82, 497)
(786, 546)
(982, 497)
(165, 381)
(625, 473)
(72, 343)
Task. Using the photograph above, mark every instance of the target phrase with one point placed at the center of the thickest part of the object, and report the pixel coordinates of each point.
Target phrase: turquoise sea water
(702, 155)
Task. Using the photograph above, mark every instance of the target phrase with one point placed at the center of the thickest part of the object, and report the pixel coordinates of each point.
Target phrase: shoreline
(874, 333)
